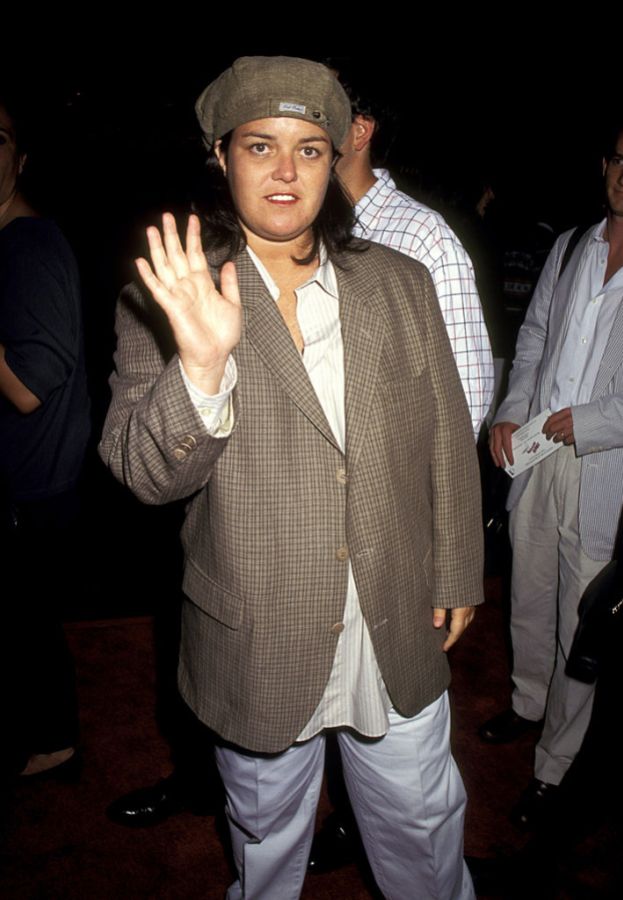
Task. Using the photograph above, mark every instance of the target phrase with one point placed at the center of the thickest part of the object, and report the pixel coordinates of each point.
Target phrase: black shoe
(337, 844)
(152, 805)
(505, 727)
(534, 805)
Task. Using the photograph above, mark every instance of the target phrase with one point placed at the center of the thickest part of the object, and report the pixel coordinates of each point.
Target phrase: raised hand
(206, 324)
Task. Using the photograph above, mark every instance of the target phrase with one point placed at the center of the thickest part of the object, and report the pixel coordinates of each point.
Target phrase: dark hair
(223, 236)
(368, 97)
(610, 140)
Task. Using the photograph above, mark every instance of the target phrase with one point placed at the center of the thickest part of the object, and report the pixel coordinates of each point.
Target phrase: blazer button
(179, 453)
(190, 441)
(341, 476)
(341, 553)
(338, 628)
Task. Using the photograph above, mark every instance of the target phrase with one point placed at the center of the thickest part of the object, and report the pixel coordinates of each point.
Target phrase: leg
(569, 702)
(533, 528)
(409, 802)
(271, 808)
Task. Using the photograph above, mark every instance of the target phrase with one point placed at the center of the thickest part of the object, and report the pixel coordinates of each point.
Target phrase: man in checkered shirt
(387, 216)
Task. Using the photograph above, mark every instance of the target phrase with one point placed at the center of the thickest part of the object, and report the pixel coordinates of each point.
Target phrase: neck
(614, 233)
(357, 177)
(281, 254)
(14, 207)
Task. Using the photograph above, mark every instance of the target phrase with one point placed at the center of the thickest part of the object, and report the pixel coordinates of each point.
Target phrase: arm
(457, 545)
(453, 276)
(154, 439)
(531, 340)
(15, 390)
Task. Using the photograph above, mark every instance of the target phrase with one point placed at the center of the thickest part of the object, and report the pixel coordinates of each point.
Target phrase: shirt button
(338, 628)
(341, 553)
(341, 476)
(179, 453)
(583, 340)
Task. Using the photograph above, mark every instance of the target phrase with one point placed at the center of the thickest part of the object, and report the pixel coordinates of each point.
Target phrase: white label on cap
(292, 107)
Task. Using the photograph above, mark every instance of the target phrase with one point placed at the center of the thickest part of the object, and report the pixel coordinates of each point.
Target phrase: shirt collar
(324, 275)
(375, 195)
(598, 232)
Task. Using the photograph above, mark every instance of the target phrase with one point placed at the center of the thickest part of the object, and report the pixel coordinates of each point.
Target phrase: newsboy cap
(262, 87)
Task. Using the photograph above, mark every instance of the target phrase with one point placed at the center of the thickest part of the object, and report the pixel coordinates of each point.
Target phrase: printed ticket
(530, 445)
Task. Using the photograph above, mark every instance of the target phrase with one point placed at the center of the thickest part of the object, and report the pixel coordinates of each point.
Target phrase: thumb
(439, 618)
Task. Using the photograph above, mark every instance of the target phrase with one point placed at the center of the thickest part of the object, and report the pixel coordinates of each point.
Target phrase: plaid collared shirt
(389, 217)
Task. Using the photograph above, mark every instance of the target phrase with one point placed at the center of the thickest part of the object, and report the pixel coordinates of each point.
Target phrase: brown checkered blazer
(272, 519)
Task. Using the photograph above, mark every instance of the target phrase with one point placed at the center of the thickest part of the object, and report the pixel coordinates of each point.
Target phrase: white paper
(530, 445)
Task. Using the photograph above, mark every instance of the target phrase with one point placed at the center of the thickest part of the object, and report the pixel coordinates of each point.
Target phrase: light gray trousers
(550, 573)
(406, 792)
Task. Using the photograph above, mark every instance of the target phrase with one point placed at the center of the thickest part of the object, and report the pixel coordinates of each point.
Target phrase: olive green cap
(262, 87)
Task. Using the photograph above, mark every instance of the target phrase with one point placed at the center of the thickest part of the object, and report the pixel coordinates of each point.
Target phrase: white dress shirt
(387, 216)
(592, 309)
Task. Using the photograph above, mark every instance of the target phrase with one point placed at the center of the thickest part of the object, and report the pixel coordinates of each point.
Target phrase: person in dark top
(44, 429)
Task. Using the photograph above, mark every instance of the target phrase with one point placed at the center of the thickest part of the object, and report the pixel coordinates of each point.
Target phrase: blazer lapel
(271, 340)
(363, 332)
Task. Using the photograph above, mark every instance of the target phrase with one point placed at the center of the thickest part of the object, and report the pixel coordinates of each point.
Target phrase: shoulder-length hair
(224, 237)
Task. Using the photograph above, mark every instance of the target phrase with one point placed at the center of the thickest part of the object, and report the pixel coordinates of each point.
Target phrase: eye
(616, 160)
(259, 148)
(310, 152)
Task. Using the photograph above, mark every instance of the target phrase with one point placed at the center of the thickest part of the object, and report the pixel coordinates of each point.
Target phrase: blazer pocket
(212, 599)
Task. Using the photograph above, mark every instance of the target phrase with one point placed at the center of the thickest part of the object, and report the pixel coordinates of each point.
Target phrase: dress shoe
(534, 805)
(337, 844)
(505, 727)
(152, 805)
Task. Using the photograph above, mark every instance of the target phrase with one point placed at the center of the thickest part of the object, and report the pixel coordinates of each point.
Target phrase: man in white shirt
(565, 511)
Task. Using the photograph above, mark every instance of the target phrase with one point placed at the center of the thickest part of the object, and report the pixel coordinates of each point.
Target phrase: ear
(221, 156)
(21, 163)
(604, 165)
(363, 129)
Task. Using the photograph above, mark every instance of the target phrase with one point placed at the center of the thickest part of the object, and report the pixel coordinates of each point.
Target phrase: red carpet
(59, 843)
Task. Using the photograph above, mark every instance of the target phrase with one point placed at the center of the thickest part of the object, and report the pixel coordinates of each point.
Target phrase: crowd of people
(309, 367)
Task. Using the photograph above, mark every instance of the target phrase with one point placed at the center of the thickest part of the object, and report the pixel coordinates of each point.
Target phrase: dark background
(116, 142)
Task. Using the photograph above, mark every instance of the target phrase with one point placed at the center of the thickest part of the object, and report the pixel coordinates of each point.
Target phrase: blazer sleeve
(531, 340)
(598, 425)
(455, 478)
(154, 440)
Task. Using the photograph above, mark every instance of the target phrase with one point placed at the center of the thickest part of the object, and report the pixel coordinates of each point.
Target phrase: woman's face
(11, 161)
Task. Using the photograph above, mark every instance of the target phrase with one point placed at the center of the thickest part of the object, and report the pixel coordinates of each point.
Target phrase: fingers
(460, 618)
(507, 445)
(194, 251)
(159, 292)
(176, 257)
(501, 443)
(559, 427)
(229, 283)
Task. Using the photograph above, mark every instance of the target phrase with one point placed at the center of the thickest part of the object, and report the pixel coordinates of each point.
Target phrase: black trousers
(37, 670)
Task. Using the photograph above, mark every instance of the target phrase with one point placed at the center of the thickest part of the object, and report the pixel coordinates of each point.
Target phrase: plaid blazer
(275, 510)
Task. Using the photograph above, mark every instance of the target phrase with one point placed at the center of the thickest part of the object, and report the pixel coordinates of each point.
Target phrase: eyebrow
(271, 137)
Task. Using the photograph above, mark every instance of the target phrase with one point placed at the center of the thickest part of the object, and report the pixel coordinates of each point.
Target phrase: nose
(285, 168)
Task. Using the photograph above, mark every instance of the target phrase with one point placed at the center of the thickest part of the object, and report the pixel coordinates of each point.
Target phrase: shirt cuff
(215, 410)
